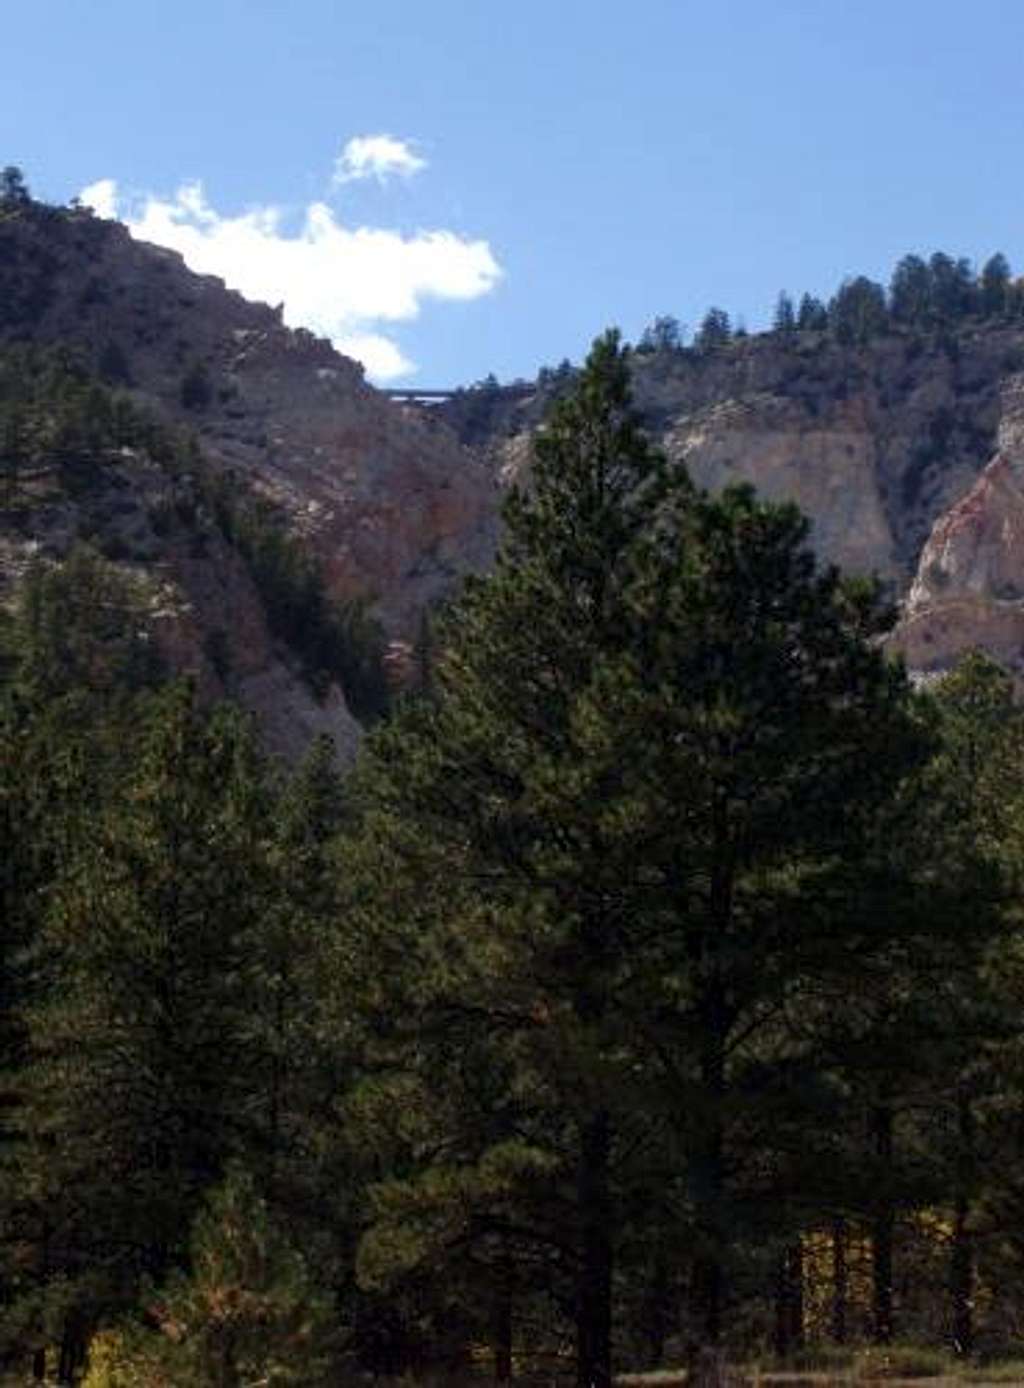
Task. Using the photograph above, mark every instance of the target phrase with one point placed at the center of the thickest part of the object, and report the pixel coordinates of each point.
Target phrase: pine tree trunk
(840, 1281)
(656, 1311)
(789, 1300)
(594, 1291)
(225, 1369)
(708, 1187)
(781, 1336)
(962, 1254)
(709, 1172)
(709, 1276)
(502, 1318)
(68, 1354)
(708, 1369)
(883, 1229)
(796, 1283)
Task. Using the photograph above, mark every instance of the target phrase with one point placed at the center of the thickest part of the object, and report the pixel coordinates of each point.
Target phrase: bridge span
(412, 396)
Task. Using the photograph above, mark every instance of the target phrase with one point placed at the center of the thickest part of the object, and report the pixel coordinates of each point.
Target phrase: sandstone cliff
(395, 507)
(873, 442)
(969, 587)
(204, 610)
(888, 448)
(882, 444)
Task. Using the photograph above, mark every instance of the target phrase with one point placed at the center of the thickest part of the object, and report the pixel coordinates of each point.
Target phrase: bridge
(413, 396)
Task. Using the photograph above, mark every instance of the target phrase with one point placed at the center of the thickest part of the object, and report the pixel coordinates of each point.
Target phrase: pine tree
(628, 830)
(14, 193)
(286, 959)
(784, 321)
(995, 285)
(977, 811)
(497, 846)
(665, 334)
(763, 735)
(812, 315)
(246, 1311)
(136, 1072)
(715, 331)
(300, 1049)
(858, 311)
(901, 1050)
(76, 665)
(953, 290)
(910, 292)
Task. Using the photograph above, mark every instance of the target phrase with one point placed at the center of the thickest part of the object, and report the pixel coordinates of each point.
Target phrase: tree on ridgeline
(715, 331)
(952, 288)
(994, 285)
(784, 320)
(857, 311)
(910, 291)
(665, 334)
(812, 315)
(14, 193)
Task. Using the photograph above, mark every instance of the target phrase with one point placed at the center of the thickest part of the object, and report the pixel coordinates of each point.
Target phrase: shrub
(246, 1313)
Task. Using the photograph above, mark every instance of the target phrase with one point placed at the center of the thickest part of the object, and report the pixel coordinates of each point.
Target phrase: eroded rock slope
(394, 506)
(913, 435)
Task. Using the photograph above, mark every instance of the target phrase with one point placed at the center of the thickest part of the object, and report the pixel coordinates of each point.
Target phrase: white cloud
(341, 282)
(101, 197)
(382, 358)
(376, 156)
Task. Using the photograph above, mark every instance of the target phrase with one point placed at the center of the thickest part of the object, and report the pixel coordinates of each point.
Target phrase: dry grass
(862, 1371)
(898, 1370)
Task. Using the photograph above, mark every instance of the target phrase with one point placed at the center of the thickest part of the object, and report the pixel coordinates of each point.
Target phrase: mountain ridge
(877, 439)
(392, 505)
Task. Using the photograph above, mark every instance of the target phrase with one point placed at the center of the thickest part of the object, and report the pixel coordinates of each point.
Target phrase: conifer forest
(648, 994)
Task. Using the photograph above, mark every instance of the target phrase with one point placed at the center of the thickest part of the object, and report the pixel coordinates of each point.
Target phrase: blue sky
(554, 167)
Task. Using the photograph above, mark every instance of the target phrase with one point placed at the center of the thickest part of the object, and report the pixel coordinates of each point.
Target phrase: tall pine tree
(627, 832)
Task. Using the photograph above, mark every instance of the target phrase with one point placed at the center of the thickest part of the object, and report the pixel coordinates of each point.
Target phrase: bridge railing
(426, 397)
(410, 395)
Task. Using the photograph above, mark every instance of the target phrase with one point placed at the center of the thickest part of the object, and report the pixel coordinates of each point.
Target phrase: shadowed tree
(995, 285)
(626, 833)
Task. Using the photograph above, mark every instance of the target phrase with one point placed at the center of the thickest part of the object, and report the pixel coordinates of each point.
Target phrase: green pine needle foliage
(247, 1311)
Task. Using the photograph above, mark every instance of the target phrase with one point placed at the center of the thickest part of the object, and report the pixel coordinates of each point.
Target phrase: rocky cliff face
(204, 610)
(882, 445)
(394, 506)
(829, 468)
(968, 590)
(873, 442)
(886, 448)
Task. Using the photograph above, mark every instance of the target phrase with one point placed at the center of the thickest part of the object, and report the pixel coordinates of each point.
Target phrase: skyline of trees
(922, 295)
